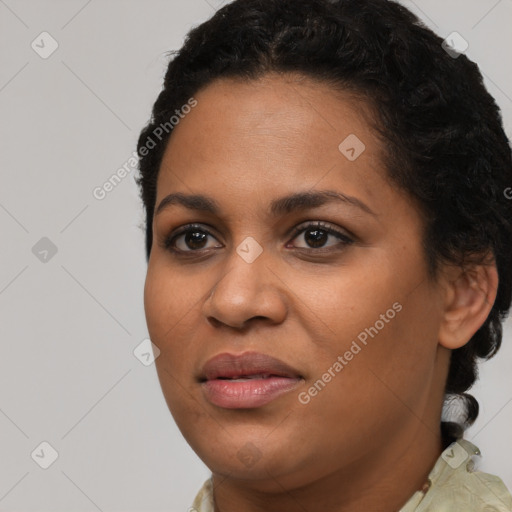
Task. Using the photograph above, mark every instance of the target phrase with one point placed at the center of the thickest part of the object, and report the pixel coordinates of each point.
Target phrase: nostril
(214, 321)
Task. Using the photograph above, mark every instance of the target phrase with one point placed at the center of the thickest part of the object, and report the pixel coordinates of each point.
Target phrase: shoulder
(203, 501)
(455, 485)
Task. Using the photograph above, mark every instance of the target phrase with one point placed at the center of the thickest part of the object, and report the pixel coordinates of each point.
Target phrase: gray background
(69, 325)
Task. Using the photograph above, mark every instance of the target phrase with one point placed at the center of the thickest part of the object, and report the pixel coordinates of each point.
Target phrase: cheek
(348, 301)
(168, 299)
(381, 384)
(171, 305)
(386, 335)
(155, 301)
(393, 372)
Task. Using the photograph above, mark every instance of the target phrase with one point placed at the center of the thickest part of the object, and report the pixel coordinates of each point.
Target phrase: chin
(246, 457)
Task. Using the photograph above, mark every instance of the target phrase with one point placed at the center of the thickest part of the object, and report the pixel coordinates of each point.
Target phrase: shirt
(453, 485)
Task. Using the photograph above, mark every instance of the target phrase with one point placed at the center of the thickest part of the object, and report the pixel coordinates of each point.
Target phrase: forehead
(276, 132)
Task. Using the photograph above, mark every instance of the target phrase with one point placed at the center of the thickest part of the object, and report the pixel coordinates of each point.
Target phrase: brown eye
(190, 239)
(195, 239)
(317, 235)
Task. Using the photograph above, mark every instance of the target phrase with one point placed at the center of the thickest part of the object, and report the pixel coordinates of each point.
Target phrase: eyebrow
(283, 205)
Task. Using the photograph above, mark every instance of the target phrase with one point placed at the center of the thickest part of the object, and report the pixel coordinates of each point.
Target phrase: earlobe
(469, 298)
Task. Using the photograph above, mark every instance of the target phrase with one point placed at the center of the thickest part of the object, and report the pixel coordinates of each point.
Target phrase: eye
(194, 238)
(315, 235)
(190, 238)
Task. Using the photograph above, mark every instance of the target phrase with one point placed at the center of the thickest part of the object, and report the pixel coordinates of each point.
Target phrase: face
(331, 281)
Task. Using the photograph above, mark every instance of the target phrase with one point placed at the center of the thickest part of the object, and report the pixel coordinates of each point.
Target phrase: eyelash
(344, 239)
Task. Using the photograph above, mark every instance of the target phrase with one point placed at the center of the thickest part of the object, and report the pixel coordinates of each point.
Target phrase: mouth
(246, 381)
(244, 378)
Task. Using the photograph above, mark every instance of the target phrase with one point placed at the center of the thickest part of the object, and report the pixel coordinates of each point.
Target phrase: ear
(469, 296)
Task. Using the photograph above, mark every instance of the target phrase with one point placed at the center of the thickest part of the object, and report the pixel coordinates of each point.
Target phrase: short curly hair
(445, 142)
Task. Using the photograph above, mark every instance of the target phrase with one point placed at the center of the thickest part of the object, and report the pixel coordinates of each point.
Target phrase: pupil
(195, 239)
(318, 239)
(314, 237)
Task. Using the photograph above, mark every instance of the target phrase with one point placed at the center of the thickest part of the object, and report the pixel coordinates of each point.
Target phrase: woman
(329, 249)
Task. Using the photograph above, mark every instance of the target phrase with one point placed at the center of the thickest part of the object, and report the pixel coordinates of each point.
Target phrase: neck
(383, 481)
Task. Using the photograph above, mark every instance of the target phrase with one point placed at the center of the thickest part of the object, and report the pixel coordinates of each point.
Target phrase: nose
(245, 293)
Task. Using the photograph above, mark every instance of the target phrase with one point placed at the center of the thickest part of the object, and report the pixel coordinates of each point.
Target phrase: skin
(369, 438)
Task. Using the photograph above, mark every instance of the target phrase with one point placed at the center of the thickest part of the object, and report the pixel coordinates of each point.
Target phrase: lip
(264, 379)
